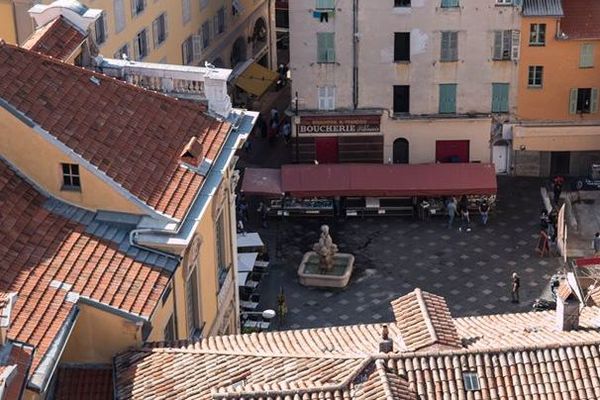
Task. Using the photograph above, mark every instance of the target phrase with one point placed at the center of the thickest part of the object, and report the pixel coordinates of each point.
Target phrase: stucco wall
(7, 25)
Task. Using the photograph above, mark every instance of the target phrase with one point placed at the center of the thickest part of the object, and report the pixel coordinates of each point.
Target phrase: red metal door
(326, 149)
(452, 151)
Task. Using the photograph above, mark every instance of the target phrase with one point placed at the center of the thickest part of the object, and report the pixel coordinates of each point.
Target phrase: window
(325, 5)
(192, 305)
(122, 51)
(447, 98)
(187, 51)
(119, 15)
(186, 9)
(402, 46)
(583, 101)
(506, 45)
(401, 98)
(137, 7)
(100, 27)
(449, 46)
(71, 178)
(401, 3)
(159, 30)
(449, 3)
(220, 25)
(205, 34)
(537, 34)
(140, 45)
(169, 332)
(586, 56)
(504, 2)
(223, 265)
(471, 381)
(500, 97)
(327, 98)
(536, 75)
(325, 47)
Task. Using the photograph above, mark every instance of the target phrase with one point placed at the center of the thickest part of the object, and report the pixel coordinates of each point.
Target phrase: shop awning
(262, 182)
(256, 79)
(384, 180)
(556, 137)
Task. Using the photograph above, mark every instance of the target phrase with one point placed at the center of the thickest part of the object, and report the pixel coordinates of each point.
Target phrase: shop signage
(339, 124)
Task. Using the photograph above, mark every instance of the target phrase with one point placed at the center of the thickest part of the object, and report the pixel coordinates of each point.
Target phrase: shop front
(332, 139)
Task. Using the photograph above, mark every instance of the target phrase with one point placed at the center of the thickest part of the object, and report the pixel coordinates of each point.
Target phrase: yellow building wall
(98, 336)
(40, 161)
(8, 30)
(560, 59)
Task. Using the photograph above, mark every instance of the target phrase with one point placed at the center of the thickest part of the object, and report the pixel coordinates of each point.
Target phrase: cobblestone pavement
(395, 255)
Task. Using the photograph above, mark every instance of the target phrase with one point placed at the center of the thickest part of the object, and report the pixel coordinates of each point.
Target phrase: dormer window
(71, 178)
(192, 152)
(471, 381)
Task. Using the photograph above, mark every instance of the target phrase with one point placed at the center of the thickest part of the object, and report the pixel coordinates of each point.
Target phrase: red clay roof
(133, 135)
(57, 39)
(19, 358)
(86, 382)
(44, 256)
(581, 19)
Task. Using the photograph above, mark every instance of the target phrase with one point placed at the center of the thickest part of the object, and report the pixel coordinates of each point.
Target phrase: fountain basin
(310, 274)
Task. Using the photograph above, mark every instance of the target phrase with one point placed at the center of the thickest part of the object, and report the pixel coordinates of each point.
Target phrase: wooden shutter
(586, 55)
(573, 101)
(445, 45)
(186, 11)
(497, 45)
(447, 98)
(185, 51)
(325, 5)
(155, 30)
(119, 15)
(594, 101)
(196, 47)
(500, 93)
(136, 48)
(515, 43)
(325, 47)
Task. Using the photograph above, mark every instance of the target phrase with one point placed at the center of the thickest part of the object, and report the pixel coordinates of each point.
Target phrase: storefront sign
(339, 124)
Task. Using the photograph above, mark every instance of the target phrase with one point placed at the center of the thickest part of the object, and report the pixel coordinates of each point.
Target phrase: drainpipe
(355, 54)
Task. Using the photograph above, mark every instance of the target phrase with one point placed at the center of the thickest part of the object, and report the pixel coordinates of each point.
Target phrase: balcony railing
(207, 84)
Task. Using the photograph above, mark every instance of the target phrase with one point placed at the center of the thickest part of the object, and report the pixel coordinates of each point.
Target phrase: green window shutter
(325, 4)
(449, 3)
(594, 101)
(573, 101)
(586, 55)
(331, 47)
(325, 47)
(500, 93)
(448, 98)
(449, 46)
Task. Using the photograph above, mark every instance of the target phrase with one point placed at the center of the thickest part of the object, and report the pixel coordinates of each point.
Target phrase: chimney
(567, 308)
(386, 345)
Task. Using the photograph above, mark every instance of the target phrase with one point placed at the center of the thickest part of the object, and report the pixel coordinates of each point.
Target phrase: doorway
(326, 150)
(452, 151)
(560, 162)
(400, 151)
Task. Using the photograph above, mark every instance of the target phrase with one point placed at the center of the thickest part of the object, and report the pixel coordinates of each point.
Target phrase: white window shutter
(497, 55)
(105, 22)
(119, 15)
(516, 43)
(133, 2)
(155, 32)
(573, 101)
(136, 48)
(594, 101)
(196, 47)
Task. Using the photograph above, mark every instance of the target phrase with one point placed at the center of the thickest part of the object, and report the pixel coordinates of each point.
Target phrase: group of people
(548, 223)
(274, 128)
(461, 208)
(241, 210)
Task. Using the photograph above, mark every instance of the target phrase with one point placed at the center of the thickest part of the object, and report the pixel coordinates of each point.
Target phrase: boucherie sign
(340, 124)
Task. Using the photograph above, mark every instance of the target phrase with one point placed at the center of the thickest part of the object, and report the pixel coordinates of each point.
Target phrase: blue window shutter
(500, 92)
(448, 98)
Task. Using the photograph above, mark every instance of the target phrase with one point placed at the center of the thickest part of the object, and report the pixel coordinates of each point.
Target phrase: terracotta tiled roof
(17, 365)
(50, 259)
(84, 382)
(581, 19)
(133, 135)
(514, 356)
(564, 290)
(424, 320)
(593, 296)
(59, 38)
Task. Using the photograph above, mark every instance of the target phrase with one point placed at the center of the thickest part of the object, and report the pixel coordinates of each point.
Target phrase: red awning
(262, 181)
(385, 180)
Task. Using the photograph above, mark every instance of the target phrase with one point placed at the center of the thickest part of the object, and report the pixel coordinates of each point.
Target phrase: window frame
(538, 74)
(407, 100)
(137, 48)
(504, 106)
(205, 32)
(471, 381)
(402, 3)
(327, 99)
(119, 53)
(100, 26)
(156, 28)
(71, 177)
(450, 4)
(441, 104)
(586, 59)
(187, 48)
(136, 10)
(449, 54)
(223, 266)
(401, 45)
(535, 34)
(328, 52)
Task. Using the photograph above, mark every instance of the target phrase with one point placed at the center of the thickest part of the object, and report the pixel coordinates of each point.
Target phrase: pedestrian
(484, 210)
(451, 206)
(557, 188)
(516, 284)
(263, 211)
(465, 221)
(596, 244)
(274, 114)
(273, 130)
(286, 131)
(240, 227)
(243, 209)
(544, 220)
(262, 126)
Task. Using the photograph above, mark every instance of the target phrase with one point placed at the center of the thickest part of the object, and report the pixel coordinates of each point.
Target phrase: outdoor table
(249, 240)
(246, 261)
(242, 276)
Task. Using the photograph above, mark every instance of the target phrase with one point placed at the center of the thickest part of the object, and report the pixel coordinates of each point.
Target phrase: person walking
(286, 131)
(451, 206)
(263, 211)
(516, 284)
(596, 244)
(484, 210)
(557, 188)
(465, 221)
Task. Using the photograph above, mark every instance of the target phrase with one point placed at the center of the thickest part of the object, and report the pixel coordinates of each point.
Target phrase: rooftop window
(471, 381)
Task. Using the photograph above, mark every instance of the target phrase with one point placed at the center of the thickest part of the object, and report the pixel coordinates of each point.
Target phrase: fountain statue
(324, 266)
(325, 249)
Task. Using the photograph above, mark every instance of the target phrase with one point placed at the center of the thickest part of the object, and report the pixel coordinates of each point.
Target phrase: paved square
(394, 255)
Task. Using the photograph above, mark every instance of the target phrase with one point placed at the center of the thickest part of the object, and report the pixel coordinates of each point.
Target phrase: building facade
(402, 82)
(559, 125)
(221, 32)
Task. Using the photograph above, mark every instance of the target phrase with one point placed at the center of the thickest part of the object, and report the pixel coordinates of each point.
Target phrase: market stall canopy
(262, 181)
(256, 79)
(249, 240)
(246, 261)
(385, 180)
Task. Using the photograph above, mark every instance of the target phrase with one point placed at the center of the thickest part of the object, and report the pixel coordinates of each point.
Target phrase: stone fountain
(324, 266)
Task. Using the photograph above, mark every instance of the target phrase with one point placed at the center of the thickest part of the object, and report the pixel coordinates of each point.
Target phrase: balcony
(201, 84)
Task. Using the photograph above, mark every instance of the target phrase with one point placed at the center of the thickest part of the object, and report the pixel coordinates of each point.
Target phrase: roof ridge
(426, 316)
(382, 372)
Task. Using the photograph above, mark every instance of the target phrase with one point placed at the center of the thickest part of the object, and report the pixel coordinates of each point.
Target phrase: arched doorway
(400, 149)
(238, 51)
(259, 35)
(218, 63)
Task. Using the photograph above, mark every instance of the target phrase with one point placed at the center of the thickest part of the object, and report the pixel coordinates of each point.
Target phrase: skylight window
(471, 381)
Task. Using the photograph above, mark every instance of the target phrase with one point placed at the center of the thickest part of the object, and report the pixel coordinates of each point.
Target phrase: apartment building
(221, 32)
(559, 125)
(404, 81)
